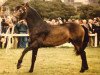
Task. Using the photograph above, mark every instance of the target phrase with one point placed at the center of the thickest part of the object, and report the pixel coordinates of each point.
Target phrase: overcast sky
(84, 1)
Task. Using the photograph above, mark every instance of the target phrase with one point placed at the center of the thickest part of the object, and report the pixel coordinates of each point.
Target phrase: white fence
(9, 36)
(95, 38)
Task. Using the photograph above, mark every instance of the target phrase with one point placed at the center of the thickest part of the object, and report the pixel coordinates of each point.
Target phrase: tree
(89, 11)
(13, 3)
(85, 11)
(47, 9)
(96, 12)
(53, 9)
(99, 2)
(57, 0)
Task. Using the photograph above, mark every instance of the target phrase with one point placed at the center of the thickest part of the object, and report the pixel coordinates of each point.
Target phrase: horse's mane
(33, 13)
(18, 7)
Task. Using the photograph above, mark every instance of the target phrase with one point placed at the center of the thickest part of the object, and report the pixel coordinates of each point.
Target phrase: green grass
(50, 61)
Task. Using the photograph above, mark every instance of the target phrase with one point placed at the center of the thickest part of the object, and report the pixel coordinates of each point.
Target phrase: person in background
(16, 38)
(4, 26)
(85, 26)
(91, 28)
(60, 21)
(96, 21)
(4, 29)
(64, 21)
(77, 21)
(69, 20)
(0, 33)
(84, 22)
(22, 29)
(54, 22)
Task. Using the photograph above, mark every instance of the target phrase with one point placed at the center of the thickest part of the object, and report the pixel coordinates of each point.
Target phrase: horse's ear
(26, 4)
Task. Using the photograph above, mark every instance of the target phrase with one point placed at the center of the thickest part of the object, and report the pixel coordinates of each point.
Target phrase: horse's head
(26, 12)
(20, 12)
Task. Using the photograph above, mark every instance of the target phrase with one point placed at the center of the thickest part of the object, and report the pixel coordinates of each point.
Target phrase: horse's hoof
(18, 66)
(83, 70)
(30, 71)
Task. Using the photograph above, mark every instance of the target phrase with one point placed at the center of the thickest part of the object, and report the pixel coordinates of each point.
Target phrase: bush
(47, 9)
(89, 11)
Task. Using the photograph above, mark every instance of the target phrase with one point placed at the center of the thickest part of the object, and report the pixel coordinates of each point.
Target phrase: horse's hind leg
(83, 57)
(79, 48)
(21, 58)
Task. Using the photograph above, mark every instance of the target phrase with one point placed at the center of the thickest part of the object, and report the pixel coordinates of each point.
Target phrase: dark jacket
(21, 28)
(4, 26)
(86, 36)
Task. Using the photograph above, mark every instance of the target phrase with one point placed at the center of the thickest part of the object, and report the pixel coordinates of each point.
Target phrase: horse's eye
(21, 11)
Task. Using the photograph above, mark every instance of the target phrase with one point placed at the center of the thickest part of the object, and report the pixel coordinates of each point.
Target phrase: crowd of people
(93, 26)
(10, 28)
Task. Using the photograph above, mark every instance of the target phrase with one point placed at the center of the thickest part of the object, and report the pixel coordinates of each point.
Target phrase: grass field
(50, 61)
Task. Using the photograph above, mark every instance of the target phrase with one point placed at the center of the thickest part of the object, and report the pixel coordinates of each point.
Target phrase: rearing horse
(42, 34)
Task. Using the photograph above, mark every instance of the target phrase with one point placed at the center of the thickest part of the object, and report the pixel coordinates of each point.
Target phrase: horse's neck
(33, 19)
(32, 22)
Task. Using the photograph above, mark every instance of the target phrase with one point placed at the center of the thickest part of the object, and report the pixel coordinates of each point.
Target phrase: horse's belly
(55, 39)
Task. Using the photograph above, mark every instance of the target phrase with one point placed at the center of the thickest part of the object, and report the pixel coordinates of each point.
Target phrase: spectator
(60, 21)
(4, 26)
(0, 25)
(64, 21)
(69, 20)
(76, 21)
(0, 33)
(97, 28)
(91, 27)
(54, 22)
(22, 29)
(85, 23)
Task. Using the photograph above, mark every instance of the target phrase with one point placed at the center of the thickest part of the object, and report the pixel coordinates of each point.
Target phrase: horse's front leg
(34, 46)
(21, 58)
(34, 55)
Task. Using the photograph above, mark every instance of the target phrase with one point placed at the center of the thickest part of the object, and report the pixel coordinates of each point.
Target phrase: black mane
(33, 14)
(17, 8)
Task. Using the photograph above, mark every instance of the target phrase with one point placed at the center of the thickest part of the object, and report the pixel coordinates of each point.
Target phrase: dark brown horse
(44, 35)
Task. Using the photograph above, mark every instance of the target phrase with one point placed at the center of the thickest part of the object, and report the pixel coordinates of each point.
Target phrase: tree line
(54, 9)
